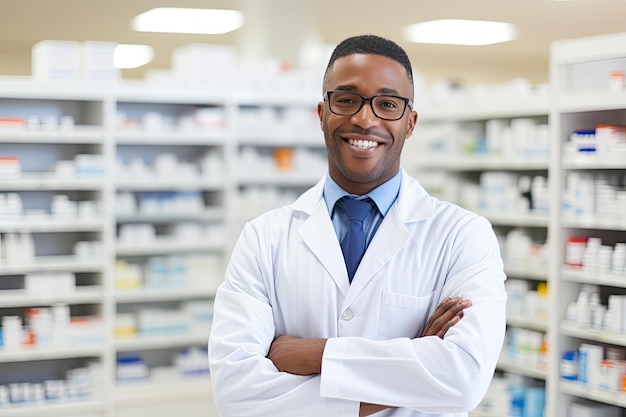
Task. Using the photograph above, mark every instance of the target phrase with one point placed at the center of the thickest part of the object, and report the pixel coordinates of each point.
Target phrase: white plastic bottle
(618, 259)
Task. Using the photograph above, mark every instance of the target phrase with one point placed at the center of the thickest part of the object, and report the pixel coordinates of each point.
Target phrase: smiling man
(355, 299)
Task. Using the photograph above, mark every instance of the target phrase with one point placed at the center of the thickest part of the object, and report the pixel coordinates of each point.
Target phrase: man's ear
(320, 111)
(411, 124)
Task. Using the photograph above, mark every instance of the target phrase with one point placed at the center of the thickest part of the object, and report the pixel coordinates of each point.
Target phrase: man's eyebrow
(389, 91)
(352, 88)
(348, 87)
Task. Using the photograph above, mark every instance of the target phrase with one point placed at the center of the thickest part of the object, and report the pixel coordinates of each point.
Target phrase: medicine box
(56, 60)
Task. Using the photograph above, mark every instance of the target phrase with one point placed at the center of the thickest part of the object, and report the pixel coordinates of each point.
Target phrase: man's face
(360, 167)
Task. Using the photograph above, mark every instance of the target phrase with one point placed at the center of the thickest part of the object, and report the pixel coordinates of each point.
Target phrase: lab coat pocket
(402, 315)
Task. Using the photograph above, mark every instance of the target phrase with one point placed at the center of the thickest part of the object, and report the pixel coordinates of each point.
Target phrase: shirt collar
(383, 196)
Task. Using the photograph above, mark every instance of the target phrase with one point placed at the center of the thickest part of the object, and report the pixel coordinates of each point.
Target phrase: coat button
(347, 314)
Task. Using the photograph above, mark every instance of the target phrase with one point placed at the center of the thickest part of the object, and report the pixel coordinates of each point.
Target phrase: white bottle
(618, 259)
(27, 245)
(61, 323)
(12, 332)
(11, 252)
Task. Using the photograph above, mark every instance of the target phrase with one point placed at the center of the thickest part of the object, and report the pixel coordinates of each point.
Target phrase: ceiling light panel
(185, 20)
(127, 56)
(460, 32)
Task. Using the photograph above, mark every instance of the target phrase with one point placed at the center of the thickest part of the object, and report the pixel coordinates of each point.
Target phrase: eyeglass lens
(384, 107)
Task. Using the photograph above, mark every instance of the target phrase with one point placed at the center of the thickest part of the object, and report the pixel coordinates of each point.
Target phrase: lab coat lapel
(319, 236)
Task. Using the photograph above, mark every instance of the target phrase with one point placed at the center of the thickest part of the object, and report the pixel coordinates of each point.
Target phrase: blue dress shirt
(383, 197)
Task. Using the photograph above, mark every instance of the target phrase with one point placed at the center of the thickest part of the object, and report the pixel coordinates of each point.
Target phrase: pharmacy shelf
(591, 101)
(279, 139)
(531, 323)
(579, 71)
(176, 105)
(528, 270)
(520, 220)
(158, 184)
(78, 135)
(172, 138)
(587, 277)
(74, 408)
(49, 353)
(599, 222)
(51, 226)
(138, 91)
(519, 366)
(21, 298)
(143, 295)
(15, 87)
(161, 341)
(48, 181)
(174, 388)
(284, 180)
(294, 98)
(460, 163)
(489, 109)
(602, 336)
(445, 167)
(54, 263)
(584, 391)
(165, 246)
(614, 161)
(206, 215)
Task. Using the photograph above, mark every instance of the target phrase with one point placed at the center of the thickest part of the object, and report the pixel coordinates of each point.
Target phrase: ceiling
(281, 23)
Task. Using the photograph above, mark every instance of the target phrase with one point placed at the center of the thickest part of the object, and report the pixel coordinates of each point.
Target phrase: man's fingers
(447, 314)
(447, 326)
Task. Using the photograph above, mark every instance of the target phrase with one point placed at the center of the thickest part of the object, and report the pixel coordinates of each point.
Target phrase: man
(304, 327)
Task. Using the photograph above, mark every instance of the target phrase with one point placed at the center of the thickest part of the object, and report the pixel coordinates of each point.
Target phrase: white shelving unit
(54, 141)
(451, 149)
(282, 138)
(156, 144)
(580, 70)
(173, 149)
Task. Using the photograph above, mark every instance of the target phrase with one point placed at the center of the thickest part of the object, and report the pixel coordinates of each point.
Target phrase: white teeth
(363, 144)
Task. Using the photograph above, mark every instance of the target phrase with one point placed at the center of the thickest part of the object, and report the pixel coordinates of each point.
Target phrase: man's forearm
(297, 356)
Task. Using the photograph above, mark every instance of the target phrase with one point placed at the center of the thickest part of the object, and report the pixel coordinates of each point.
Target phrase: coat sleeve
(244, 381)
(429, 374)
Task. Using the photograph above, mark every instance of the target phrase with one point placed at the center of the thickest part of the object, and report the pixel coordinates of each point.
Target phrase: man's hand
(449, 312)
(296, 355)
(304, 356)
(299, 356)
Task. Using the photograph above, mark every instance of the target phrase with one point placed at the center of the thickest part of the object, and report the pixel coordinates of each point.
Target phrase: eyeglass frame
(407, 103)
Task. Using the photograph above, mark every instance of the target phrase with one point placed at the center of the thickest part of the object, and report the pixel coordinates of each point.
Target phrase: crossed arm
(300, 356)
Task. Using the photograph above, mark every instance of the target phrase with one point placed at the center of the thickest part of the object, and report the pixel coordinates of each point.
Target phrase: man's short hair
(372, 45)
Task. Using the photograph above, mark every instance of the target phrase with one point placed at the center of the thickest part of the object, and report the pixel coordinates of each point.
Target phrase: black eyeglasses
(384, 106)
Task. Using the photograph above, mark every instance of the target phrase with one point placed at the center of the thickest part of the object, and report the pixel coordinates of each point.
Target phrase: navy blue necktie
(353, 244)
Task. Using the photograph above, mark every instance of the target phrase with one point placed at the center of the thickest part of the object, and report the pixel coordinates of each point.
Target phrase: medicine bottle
(616, 81)
(569, 365)
(574, 249)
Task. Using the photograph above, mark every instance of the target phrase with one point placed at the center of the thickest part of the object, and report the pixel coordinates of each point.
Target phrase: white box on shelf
(97, 61)
(589, 357)
(56, 60)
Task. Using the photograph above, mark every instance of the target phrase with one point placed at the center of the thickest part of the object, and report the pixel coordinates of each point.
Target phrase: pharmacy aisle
(588, 140)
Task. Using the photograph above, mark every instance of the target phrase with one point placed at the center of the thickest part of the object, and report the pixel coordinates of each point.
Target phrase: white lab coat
(287, 277)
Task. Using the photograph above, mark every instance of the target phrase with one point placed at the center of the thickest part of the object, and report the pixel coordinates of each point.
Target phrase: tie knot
(356, 209)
